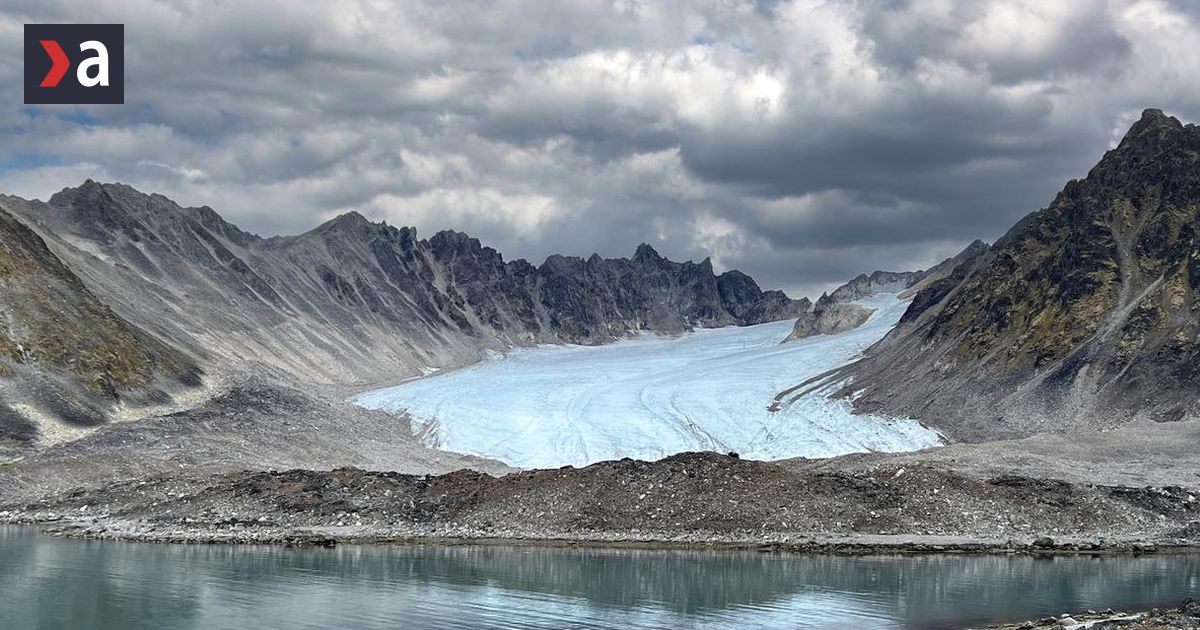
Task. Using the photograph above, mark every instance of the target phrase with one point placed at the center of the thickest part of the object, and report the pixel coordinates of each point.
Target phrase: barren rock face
(63, 353)
(1085, 314)
(352, 300)
(830, 319)
(865, 286)
(111, 289)
(834, 312)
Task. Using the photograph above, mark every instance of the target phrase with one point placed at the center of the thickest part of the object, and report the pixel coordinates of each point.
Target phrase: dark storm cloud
(802, 142)
(903, 34)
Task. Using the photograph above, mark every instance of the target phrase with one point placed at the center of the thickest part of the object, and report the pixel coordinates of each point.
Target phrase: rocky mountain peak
(87, 188)
(90, 193)
(1085, 314)
(350, 224)
(646, 254)
(451, 244)
(1152, 125)
(108, 194)
(837, 312)
(864, 286)
(95, 209)
(1155, 131)
(1156, 157)
(353, 217)
(368, 300)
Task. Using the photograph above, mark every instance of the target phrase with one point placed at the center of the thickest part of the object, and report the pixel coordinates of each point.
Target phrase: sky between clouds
(802, 142)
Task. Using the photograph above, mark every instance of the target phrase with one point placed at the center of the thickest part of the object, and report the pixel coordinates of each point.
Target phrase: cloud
(521, 215)
(801, 141)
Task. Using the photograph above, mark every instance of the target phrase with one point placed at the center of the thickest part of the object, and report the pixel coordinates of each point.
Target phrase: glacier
(650, 396)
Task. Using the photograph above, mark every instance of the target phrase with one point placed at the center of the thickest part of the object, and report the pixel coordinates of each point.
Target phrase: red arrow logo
(61, 63)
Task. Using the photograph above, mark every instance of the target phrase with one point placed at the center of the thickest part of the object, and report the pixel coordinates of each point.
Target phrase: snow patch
(651, 396)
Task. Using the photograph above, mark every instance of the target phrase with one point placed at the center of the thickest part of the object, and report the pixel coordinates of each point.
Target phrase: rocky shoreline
(1185, 615)
(854, 505)
(251, 533)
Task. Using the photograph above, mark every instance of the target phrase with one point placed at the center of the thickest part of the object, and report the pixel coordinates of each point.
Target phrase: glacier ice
(650, 396)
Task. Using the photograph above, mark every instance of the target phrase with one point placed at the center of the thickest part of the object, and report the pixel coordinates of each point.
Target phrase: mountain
(864, 286)
(1086, 314)
(836, 312)
(829, 318)
(64, 354)
(355, 302)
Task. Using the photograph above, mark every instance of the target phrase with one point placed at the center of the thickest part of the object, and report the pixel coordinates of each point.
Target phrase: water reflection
(52, 583)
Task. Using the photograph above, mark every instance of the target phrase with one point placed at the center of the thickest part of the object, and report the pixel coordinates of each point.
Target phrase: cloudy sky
(802, 142)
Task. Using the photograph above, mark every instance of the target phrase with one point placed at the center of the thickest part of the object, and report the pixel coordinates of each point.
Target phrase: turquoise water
(47, 582)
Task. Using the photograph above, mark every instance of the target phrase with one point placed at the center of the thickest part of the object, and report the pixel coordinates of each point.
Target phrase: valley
(358, 384)
(600, 315)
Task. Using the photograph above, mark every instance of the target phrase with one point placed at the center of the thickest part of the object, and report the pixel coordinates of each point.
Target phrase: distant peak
(448, 242)
(1157, 117)
(1150, 129)
(353, 216)
(90, 191)
(89, 186)
(347, 221)
(646, 253)
(452, 236)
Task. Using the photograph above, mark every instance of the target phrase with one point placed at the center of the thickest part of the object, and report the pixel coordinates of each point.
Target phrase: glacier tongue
(651, 396)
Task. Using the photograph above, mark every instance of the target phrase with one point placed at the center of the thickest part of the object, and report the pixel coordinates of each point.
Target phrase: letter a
(100, 61)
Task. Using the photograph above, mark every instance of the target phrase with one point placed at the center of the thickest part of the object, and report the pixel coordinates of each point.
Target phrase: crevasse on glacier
(650, 396)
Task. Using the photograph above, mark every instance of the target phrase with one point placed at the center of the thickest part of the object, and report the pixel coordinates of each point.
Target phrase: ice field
(651, 396)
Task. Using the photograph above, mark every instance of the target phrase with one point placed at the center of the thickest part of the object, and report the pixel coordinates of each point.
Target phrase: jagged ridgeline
(352, 301)
(837, 312)
(63, 353)
(1085, 314)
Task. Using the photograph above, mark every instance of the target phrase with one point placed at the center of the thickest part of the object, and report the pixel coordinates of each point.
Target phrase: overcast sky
(802, 142)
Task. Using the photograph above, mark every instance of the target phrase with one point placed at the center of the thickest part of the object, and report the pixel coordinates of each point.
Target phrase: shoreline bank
(1185, 614)
(695, 500)
(782, 542)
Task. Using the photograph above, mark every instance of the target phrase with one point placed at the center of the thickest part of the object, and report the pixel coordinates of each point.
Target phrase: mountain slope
(1086, 314)
(64, 354)
(352, 301)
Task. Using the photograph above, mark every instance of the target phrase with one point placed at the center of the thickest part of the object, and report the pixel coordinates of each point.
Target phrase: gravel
(685, 499)
(1186, 615)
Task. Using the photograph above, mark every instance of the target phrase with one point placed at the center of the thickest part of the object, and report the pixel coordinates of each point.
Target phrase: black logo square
(74, 64)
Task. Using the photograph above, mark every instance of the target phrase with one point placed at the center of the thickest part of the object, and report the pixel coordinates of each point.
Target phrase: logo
(74, 64)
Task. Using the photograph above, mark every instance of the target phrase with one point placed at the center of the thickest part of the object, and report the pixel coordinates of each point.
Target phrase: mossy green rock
(60, 346)
(1086, 314)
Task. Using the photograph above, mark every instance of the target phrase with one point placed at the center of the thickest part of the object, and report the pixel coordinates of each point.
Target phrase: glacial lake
(47, 582)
